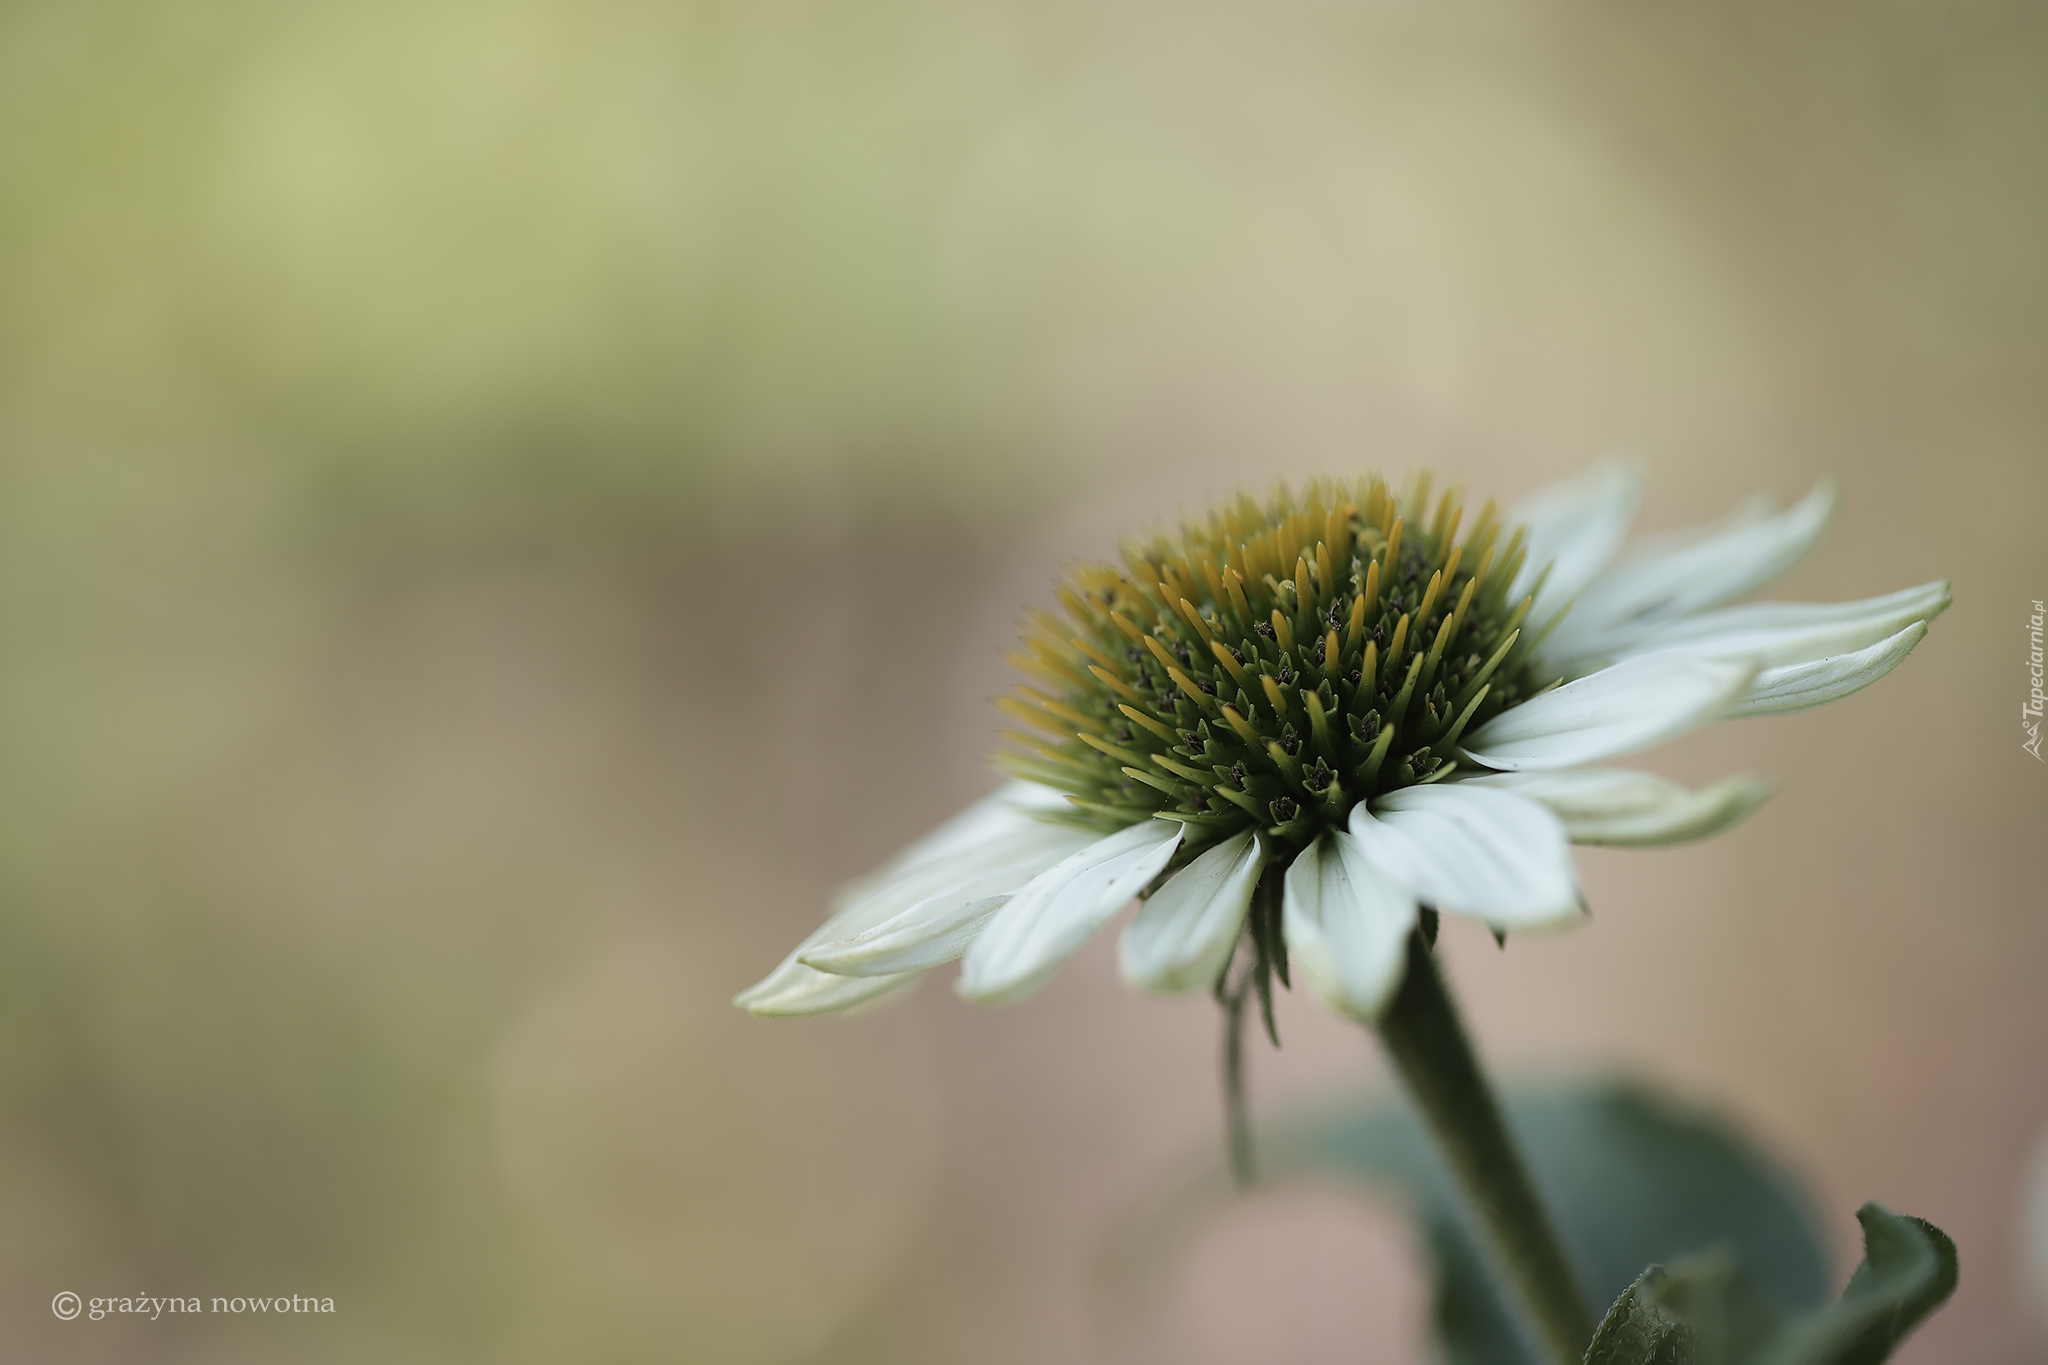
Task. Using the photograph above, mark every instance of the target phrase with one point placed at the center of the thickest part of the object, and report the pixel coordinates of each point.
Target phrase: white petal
(1000, 812)
(1676, 580)
(1633, 705)
(1778, 691)
(1186, 930)
(971, 884)
(794, 989)
(1751, 510)
(1480, 851)
(1630, 809)
(1574, 529)
(1347, 927)
(1046, 922)
(931, 932)
(1777, 634)
(993, 831)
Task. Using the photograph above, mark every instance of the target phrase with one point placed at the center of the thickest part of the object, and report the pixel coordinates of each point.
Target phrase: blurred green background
(502, 505)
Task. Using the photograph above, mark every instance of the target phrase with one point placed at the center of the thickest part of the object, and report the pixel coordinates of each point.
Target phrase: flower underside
(1274, 663)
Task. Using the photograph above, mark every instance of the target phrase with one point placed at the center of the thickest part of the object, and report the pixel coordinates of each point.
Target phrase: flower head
(1366, 704)
(1271, 665)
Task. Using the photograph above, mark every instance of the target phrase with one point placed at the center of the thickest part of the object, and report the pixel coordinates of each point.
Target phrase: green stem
(1236, 1108)
(1427, 1042)
(1261, 954)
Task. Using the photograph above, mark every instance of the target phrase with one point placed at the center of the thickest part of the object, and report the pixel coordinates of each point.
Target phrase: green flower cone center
(1274, 663)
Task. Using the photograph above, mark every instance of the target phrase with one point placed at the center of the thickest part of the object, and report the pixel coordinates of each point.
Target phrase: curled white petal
(1779, 634)
(1624, 708)
(1779, 691)
(966, 887)
(794, 989)
(992, 832)
(1496, 856)
(1676, 580)
(994, 817)
(1347, 926)
(1184, 933)
(1631, 809)
(1574, 528)
(1046, 922)
(923, 936)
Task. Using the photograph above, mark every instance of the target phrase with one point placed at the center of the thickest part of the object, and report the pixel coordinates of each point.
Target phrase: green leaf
(1700, 1313)
(1639, 1331)
(1730, 1318)
(1633, 1176)
(1909, 1270)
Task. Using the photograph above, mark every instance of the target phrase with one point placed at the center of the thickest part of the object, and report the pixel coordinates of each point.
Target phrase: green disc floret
(1273, 663)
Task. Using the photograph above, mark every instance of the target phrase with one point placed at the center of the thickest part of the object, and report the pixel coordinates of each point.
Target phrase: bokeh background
(502, 505)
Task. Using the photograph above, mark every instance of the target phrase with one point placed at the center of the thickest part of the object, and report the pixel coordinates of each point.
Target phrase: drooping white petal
(795, 990)
(1630, 706)
(999, 831)
(1046, 922)
(1631, 809)
(1778, 634)
(967, 886)
(1483, 852)
(1748, 512)
(1676, 580)
(994, 816)
(926, 935)
(1186, 930)
(1779, 691)
(1347, 926)
(1574, 528)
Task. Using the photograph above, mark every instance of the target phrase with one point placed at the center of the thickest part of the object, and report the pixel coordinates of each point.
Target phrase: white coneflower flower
(1295, 726)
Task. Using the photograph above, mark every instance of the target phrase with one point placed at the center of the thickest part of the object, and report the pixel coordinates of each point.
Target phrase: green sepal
(1457, 729)
(1115, 751)
(1039, 771)
(1194, 775)
(1223, 750)
(1209, 822)
(1399, 710)
(1120, 814)
(1369, 771)
(1478, 680)
(1266, 787)
(1242, 800)
(1302, 828)
(1444, 770)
